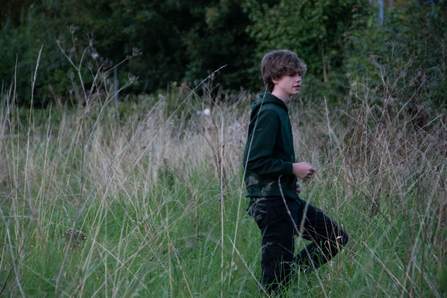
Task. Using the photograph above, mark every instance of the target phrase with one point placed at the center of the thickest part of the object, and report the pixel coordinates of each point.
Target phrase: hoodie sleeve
(260, 146)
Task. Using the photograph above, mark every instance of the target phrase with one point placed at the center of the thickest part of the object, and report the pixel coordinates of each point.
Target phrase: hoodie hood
(266, 98)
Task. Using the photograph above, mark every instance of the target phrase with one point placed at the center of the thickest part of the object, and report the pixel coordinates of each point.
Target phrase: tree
(180, 41)
(314, 29)
(403, 58)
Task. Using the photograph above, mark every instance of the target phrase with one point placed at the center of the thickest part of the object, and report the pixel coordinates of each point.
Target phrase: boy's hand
(299, 188)
(303, 170)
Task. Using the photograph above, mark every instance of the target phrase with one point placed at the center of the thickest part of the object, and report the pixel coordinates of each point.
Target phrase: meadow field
(146, 198)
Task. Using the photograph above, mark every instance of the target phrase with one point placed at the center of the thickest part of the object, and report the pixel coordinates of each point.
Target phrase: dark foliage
(342, 42)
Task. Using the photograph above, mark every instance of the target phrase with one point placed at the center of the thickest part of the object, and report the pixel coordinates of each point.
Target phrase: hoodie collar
(270, 98)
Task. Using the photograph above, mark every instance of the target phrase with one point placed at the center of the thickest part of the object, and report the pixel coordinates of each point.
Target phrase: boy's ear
(275, 81)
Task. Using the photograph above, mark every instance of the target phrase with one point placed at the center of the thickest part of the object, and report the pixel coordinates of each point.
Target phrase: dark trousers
(278, 227)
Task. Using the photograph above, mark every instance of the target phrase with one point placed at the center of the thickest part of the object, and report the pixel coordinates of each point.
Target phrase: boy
(271, 180)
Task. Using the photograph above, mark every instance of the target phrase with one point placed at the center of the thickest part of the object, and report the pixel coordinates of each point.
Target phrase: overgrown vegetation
(404, 58)
(147, 199)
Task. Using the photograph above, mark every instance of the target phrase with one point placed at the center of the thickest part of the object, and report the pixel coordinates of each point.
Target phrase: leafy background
(343, 43)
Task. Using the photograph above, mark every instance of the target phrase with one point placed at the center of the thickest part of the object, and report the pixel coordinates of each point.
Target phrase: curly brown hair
(278, 64)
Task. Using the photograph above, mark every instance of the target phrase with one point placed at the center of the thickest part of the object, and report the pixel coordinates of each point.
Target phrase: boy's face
(287, 86)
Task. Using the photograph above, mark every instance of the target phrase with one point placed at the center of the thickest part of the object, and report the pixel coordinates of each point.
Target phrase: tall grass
(146, 200)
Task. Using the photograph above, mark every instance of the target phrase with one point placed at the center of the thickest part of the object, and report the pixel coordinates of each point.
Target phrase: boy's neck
(281, 95)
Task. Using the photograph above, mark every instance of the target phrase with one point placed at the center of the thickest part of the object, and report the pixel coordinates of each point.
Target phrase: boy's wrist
(288, 168)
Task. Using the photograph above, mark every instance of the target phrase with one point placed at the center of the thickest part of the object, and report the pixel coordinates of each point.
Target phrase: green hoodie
(269, 150)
